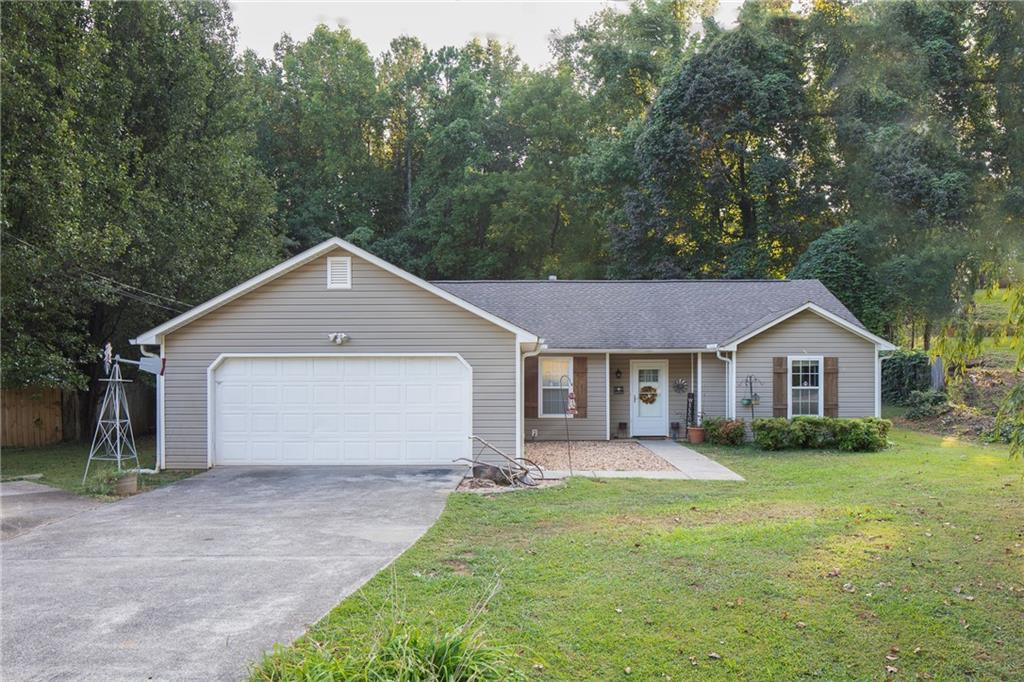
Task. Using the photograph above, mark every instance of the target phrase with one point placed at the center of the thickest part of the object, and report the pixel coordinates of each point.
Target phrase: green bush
(773, 433)
(722, 431)
(861, 435)
(867, 434)
(813, 432)
(928, 403)
(903, 373)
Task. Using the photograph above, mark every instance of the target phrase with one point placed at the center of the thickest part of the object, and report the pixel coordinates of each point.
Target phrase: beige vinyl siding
(809, 334)
(679, 367)
(294, 313)
(713, 383)
(591, 427)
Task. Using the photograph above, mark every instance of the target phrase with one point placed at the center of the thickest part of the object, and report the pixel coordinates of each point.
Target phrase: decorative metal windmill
(114, 440)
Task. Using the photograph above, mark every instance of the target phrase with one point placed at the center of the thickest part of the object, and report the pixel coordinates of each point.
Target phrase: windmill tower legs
(114, 439)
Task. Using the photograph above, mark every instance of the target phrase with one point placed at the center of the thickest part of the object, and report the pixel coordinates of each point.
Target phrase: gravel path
(596, 455)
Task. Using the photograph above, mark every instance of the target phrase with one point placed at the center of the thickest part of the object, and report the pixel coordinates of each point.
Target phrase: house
(338, 357)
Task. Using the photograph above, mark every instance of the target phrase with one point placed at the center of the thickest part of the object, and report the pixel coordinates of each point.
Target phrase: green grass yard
(822, 565)
(62, 466)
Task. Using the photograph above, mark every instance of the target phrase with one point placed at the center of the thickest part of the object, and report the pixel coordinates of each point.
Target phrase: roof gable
(773, 319)
(154, 336)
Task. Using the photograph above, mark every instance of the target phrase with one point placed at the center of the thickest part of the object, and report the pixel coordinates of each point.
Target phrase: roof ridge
(615, 281)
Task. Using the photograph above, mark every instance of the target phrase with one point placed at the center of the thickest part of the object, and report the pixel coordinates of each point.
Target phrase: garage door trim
(211, 407)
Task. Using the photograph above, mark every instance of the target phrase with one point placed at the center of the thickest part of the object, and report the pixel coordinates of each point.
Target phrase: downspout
(538, 348)
(730, 406)
(159, 456)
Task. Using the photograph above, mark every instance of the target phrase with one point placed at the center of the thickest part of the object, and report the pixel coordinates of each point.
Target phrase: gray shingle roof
(643, 314)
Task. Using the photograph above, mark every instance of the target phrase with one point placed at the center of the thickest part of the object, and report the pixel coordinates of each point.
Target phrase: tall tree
(734, 160)
(129, 188)
(317, 139)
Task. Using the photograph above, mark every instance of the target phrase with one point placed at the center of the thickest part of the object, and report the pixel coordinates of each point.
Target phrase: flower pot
(696, 434)
(127, 485)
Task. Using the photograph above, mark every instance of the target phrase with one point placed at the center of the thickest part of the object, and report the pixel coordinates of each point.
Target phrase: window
(555, 378)
(805, 386)
(339, 272)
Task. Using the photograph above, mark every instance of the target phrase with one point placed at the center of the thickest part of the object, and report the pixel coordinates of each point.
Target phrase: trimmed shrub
(773, 433)
(924, 404)
(851, 435)
(861, 435)
(722, 431)
(813, 432)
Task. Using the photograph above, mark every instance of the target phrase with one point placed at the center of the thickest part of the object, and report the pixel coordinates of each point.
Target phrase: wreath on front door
(648, 395)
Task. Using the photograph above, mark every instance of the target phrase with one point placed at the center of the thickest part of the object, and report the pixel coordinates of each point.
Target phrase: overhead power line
(125, 287)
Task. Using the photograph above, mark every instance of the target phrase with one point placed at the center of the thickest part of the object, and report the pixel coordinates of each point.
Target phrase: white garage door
(341, 410)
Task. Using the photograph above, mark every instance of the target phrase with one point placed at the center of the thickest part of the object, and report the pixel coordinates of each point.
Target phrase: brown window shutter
(530, 387)
(579, 384)
(831, 387)
(780, 387)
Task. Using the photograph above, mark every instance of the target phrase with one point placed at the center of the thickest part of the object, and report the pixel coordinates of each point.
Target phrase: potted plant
(695, 433)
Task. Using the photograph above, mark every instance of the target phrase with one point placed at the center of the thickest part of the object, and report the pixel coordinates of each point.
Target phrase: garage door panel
(343, 410)
(450, 394)
(356, 394)
(419, 423)
(326, 423)
(387, 394)
(265, 394)
(418, 394)
(296, 394)
(356, 452)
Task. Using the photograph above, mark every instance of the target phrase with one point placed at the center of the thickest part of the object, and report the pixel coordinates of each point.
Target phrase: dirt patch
(589, 455)
(483, 486)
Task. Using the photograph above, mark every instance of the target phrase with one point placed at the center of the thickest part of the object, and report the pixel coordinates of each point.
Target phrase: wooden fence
(34, 417)
(31, 417)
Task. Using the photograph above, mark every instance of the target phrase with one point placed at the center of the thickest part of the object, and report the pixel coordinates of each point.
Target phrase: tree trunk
(927, 335)
(408, 166)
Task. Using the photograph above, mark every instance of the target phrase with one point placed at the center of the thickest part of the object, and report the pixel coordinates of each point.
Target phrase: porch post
(700, 383)
(607, 396)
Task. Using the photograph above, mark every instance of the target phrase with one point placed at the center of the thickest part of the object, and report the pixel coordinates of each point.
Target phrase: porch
(619, 395)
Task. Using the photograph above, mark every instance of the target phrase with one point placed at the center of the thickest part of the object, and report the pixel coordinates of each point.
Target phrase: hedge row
(852, 435)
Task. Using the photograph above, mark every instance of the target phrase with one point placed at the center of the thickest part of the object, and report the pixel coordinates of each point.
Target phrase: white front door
(648, 397)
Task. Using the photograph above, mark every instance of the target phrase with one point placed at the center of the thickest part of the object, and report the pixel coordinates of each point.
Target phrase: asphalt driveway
(197, 580)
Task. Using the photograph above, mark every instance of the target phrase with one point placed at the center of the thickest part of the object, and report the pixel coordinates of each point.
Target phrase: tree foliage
(147, 164)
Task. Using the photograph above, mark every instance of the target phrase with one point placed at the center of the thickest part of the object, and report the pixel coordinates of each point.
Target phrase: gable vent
(339, 272)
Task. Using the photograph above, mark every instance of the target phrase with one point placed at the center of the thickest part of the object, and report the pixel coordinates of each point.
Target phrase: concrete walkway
(690, 462)
(690, 465)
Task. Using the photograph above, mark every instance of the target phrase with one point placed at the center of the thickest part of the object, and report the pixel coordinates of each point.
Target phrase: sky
(527, 25)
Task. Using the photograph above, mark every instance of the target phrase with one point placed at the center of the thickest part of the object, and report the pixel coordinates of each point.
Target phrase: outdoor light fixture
(618, 374)
(338, 338)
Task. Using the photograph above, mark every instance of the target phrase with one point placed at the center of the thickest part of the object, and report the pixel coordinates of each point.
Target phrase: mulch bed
(590, 455)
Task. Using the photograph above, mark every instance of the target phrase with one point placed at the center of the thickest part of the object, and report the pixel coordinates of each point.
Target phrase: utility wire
(112, 280)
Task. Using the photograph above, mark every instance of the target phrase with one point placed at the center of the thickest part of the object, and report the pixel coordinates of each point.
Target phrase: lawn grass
(656, 576)
(62, 466)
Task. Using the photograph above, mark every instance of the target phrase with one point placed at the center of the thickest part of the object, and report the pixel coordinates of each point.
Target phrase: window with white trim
(555, 377)
(805, 386)
(339, 272)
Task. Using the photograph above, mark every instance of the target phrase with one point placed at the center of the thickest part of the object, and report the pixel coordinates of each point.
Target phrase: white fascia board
(821, 312)
(153, 336)
(630, 351)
